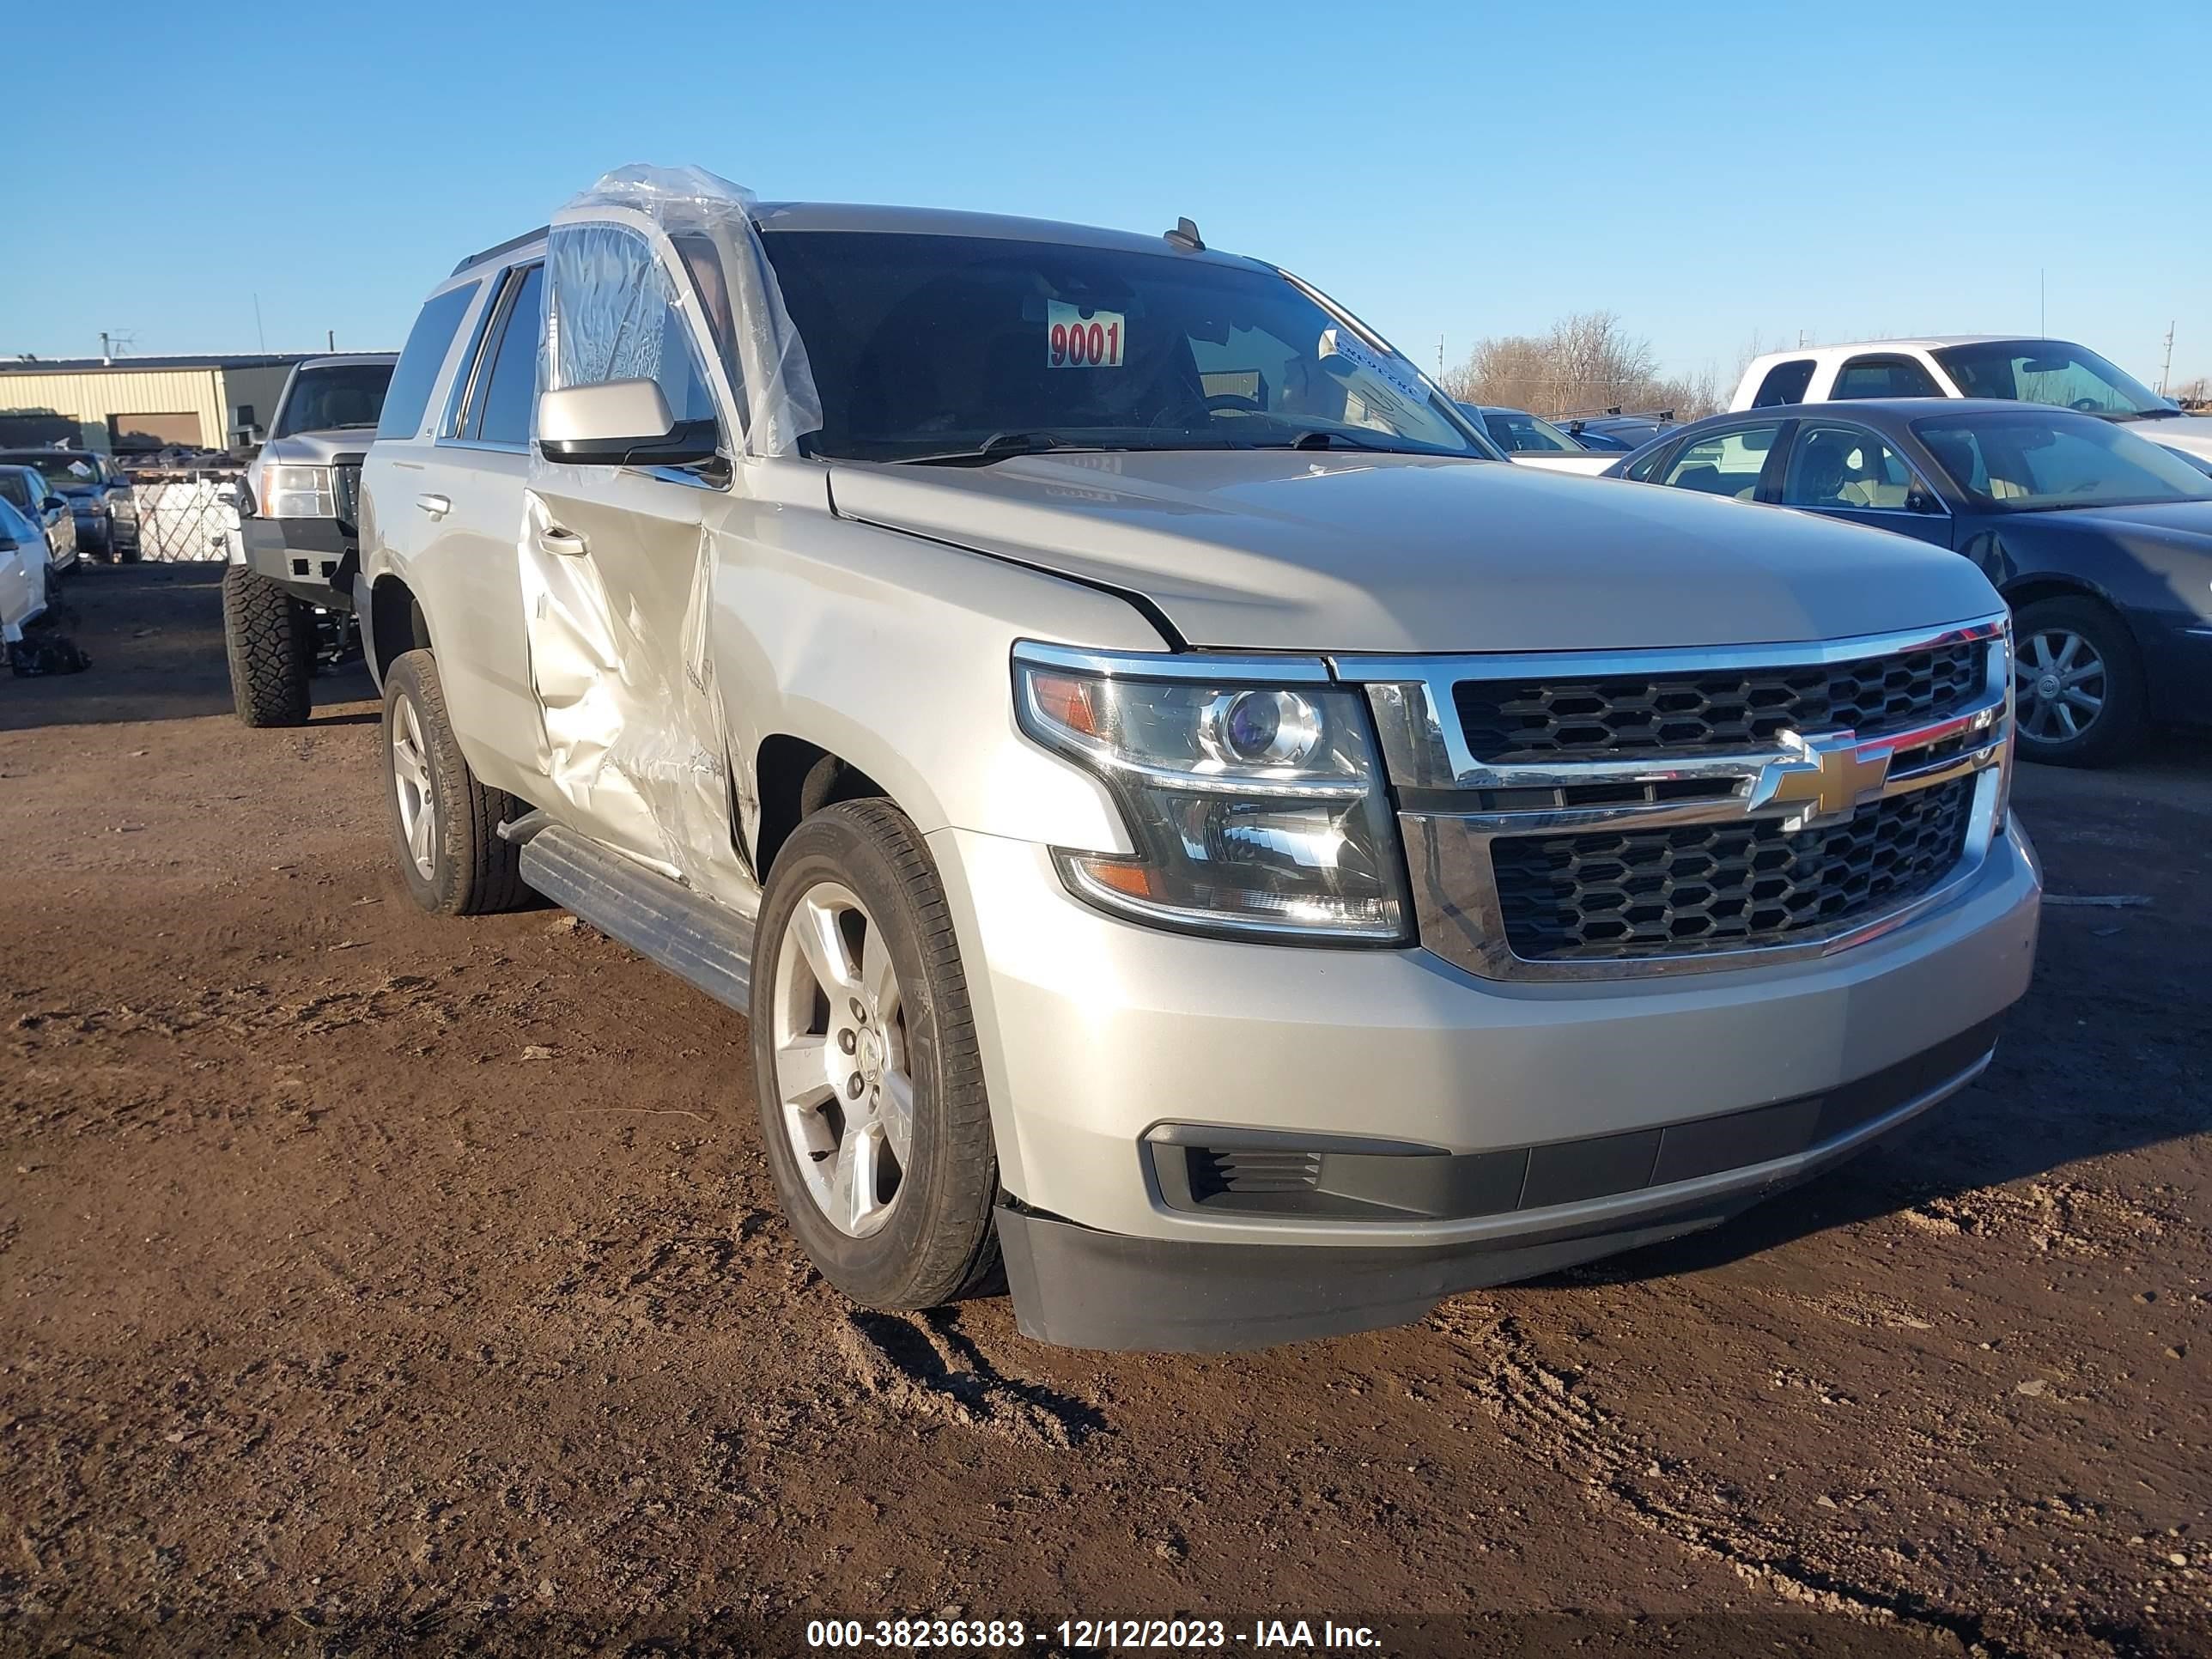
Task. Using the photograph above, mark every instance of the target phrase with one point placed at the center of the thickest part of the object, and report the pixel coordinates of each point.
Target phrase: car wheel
(2078, 695)
(444, 824)
(269, 639)
(866, 1064)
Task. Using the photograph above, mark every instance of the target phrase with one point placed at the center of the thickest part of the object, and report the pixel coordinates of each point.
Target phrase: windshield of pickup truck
(334, 398)
(969, 348)
(2049, 372)
(2037, 460)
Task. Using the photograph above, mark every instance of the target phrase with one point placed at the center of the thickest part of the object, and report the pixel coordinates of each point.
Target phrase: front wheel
(2078, 693)
(269, 637)
(865, 1065)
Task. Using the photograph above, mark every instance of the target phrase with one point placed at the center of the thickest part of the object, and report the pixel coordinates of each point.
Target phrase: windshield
(332, 398)
(61, 468)
(2032, 461)
(930, 347)
(2047, 372)
(1519, 433)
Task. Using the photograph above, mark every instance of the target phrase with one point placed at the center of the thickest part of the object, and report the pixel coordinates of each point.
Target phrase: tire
(935, 1240)
(2078, 684)
(269, 638)
(454, 862)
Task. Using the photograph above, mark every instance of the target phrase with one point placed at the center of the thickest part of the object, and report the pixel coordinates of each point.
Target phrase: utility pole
(106, 355)
(2165, 373)
(333, 335)
(261, 340)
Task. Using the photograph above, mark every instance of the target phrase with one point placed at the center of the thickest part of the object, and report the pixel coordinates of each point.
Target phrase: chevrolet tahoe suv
(1190, 826)
(291, 581)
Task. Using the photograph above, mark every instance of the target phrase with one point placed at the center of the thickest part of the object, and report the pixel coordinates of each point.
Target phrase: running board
(692, 937)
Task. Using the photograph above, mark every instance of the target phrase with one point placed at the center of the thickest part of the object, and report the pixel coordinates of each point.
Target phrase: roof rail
(511, 243)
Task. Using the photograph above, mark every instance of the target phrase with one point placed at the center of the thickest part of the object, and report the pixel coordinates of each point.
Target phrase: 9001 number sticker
(1076, 339)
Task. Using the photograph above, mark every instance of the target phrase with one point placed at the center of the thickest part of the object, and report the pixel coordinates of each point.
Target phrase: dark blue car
(2100, 542)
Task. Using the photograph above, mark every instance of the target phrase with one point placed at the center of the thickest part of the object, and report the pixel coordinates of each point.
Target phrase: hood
(2190, 433)
(1301, 552)
(318, 448)
(2177, 521)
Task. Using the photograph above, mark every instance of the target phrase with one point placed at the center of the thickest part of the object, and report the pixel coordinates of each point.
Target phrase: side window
(1725, 463)
(419, 363)
(1844, 466)
(616, 318)
(504, 401)
(1785, 383)
(1884, 377)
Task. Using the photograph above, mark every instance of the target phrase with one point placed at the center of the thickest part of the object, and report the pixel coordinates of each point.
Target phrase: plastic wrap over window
(605, 321)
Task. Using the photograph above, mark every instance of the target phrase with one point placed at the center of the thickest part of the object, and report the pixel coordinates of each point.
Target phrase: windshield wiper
(998, 446)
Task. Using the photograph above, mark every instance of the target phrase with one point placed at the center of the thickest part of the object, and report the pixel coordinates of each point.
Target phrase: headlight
(1255, 808)
(297, 492)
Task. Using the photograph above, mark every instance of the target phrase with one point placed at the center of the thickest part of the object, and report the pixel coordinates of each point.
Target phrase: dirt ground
(371, 1282)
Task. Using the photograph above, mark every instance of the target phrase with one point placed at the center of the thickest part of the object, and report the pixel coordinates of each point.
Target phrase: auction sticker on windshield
(1077, 339)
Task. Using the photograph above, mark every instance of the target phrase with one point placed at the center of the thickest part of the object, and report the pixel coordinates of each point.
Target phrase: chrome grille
(1596, 814)
(1524, 719)
(1639, 892)
(345, 479)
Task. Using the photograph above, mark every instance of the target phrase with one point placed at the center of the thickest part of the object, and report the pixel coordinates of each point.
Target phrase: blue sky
(1704, 172)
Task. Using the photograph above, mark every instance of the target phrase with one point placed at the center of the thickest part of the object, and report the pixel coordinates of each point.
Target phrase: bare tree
(1586, 363)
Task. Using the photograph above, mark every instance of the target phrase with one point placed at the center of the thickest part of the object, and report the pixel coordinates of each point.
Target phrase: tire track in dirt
(1544, 1414)
(925, 1366)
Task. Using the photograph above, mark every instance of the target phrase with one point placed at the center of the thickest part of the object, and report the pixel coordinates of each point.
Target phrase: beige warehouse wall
(92, 397)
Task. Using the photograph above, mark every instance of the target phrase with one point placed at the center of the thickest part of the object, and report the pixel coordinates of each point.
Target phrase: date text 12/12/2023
(1289, 1636)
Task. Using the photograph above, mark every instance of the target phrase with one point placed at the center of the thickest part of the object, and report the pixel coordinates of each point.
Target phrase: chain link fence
(187, 514)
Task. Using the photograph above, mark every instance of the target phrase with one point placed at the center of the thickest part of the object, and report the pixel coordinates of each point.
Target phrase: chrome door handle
(436, 506)
(558, 538)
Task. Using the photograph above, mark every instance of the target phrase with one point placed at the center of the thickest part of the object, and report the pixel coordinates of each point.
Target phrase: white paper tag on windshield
(1342, 342)
(81, 468)
(1076, 339)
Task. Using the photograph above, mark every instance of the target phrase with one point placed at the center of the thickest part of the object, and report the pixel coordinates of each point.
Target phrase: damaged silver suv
(1181, 813)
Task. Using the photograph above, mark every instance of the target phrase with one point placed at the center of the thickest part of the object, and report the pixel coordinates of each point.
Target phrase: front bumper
(313, 559)
(1101, 1036)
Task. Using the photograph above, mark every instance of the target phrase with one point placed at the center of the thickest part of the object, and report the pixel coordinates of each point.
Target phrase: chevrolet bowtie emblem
(1826, 776)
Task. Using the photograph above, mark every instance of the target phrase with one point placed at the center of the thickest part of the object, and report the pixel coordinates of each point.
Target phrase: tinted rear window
(1785, 383)
(420, 362)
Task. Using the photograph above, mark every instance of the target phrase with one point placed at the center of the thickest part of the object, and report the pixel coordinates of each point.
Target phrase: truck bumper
(1210, 1144)
(312, 559)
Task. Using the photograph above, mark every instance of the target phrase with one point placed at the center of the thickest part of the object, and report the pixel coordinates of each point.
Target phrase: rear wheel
(866, 1064)
(2078, 684)
(269, 638)
(444, 824)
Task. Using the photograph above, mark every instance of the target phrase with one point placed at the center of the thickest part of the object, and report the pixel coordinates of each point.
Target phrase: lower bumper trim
(1080, 1287)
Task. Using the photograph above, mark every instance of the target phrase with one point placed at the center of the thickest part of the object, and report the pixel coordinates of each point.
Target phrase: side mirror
(1919, 500)
(620, 423)
(52, 502)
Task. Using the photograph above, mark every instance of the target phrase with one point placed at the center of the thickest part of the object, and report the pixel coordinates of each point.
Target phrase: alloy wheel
(2060, 685)
(843, 1078)
(411, 782)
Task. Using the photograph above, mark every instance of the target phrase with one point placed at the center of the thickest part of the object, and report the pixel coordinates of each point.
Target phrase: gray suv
(1191, 828)
(294, 563)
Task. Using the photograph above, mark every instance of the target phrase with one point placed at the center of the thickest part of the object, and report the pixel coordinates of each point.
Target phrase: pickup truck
(2054, 372)
(1198, 838)
(294, 557)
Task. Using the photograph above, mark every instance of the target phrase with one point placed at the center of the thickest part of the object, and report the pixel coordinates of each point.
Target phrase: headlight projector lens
(1262, 728)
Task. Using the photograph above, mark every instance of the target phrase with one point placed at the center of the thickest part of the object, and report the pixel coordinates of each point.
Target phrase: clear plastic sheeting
(652, 274)
(599, 317)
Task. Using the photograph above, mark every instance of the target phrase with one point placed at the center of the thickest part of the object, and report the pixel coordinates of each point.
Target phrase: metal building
(123, 403)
